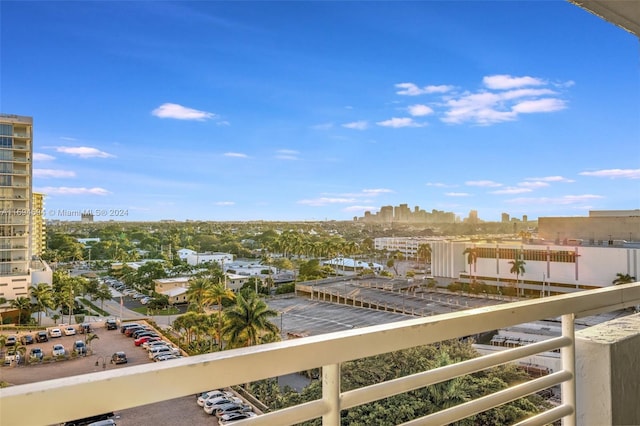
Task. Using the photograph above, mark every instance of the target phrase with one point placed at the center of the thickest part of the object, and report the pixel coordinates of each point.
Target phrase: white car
(55, 332)
(163, 350)
(69, 331)
(212, 394)
(211, 405)
(58, 350)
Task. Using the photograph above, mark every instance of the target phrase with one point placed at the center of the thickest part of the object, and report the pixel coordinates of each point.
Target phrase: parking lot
(173, 412)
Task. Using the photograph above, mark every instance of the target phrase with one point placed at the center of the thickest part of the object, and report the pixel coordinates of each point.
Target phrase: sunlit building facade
(16, 147)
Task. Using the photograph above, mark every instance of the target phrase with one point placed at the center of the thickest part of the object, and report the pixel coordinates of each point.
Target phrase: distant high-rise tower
(38, 226)
(16, 208)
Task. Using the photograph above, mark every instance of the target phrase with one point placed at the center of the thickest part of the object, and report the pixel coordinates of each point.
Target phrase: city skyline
(257, 111)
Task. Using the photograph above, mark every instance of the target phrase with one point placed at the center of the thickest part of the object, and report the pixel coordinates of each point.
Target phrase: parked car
(140, 340)
(164, 357)
(36, 354)
(144, 332)
(85, 328)
(55, 332)
(129, 331)
(89, 420)
(58, 350)
(111, 324)
(11, 341)
(125, 326)
(232, 417)
(119, 358)
(211, 405)
(70, 331)
(12, 357)
(151, 343)
(203, 397)
(27, 339)
(232, 408)
(41, 337)
(80, 348)
(163, 350)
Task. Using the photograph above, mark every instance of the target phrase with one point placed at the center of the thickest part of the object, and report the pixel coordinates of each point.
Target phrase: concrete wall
(608, 373)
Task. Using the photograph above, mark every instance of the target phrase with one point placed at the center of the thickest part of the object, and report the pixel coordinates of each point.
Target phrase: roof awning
(623, 13)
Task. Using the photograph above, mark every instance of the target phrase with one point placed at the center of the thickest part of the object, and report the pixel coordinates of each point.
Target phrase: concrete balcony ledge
(608, 373)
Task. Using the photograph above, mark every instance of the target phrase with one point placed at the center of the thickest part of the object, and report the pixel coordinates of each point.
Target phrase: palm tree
(248, 321)
(22, 304)
(217, 294)
(198, 288)
(517, 267)
(424, 252)
(103, 293)
(43, 295)
(623, 279)
(472, 259)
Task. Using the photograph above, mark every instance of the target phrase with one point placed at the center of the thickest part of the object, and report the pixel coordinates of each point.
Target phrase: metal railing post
(568, 358)
(331, 394)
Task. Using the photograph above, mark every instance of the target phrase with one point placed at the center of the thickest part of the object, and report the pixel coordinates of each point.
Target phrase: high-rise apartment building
(16, 133)
(38, 225)
(22, 227)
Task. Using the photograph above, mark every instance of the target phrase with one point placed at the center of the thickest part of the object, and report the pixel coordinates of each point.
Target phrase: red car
(143, 339)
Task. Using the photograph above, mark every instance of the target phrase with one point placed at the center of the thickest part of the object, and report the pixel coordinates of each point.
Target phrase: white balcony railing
(95, 393)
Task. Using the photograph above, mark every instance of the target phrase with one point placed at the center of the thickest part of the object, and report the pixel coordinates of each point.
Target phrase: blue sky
(322, 110)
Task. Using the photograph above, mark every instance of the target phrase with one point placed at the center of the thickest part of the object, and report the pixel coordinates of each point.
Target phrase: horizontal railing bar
(290, 415)
(547, 417)
(493, 400)
(196, 374)
(400, 385)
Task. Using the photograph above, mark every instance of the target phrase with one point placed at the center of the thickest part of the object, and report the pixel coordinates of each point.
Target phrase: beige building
(16, 147)
(38, 226)
(176, 288)
(600, 228)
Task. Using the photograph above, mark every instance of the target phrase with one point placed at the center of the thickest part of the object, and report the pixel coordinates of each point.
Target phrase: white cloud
(419, 110)
(440, 185)
(223, 123)
(411, 89)
(38, 156)
(457, 194)
(63, 190)
(322, 126)
(505, 81)
(51, 173)
(396, 122)
(539, 105)
(511, 190)
(551, 179)
(358, 125)
(179, 112)
(483, 183)
(323, 201)
(564, 200)
(224, 203)
(490, 107)
(533, 184)
(614, 173)
(83, 151)
(376, 191)
(235, 154)
(287, 154)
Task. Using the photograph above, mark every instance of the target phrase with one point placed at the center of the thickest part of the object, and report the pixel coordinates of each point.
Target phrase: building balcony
(588, 396)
